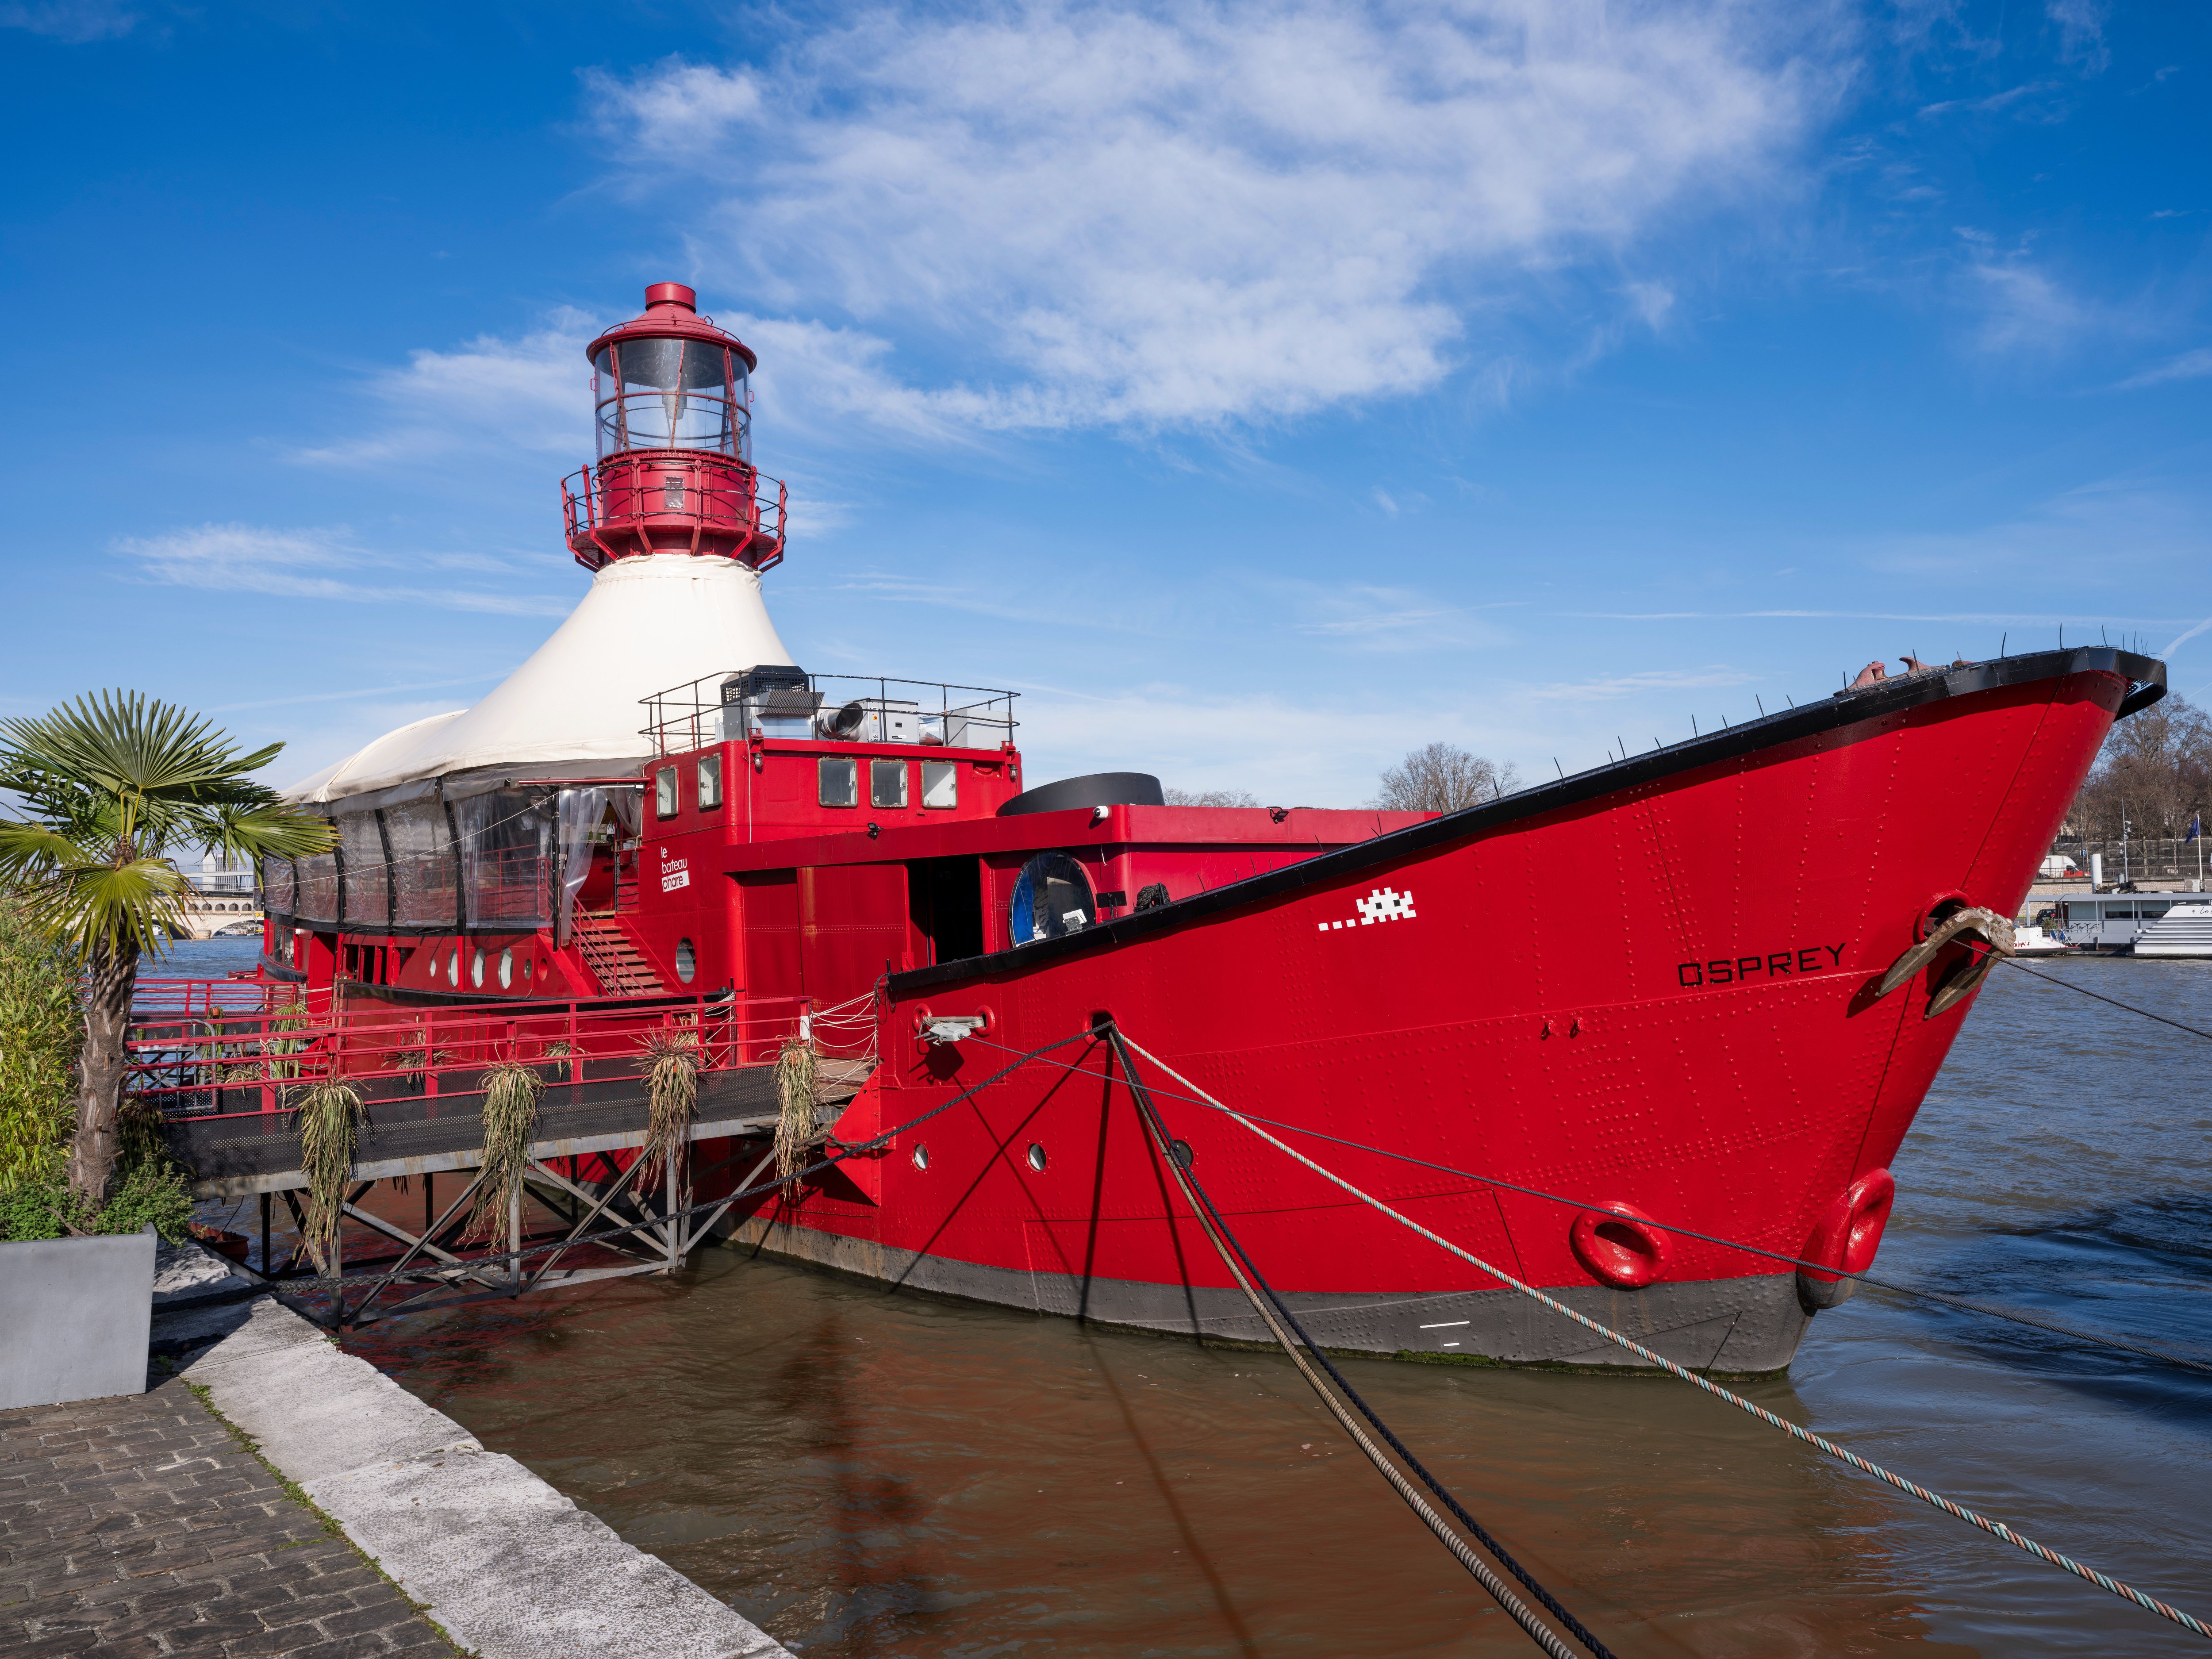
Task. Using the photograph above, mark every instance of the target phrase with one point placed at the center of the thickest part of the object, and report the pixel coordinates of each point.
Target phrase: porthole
(453, 969)
(1036, 1158)
(940, 783)
(476, 968)
(687, 960)
(1180, 1152)
(1052, 899)
(664, 793)
(505, 968)
(710, 782)
(921, 1158)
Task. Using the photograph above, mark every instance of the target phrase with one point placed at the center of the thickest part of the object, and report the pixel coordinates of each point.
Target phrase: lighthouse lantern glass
(672, 394)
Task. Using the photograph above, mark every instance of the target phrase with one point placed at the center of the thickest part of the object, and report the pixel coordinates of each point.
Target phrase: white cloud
(73, 20)
(324, 564)
(2081, 31)
(2121, 535)
(1328, 751)
(2022, 308)
(1367, 618)
(1612, 686)
(1231, 211)
(2189, 366)
(490, 395)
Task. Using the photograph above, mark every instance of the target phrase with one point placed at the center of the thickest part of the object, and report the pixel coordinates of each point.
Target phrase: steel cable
(1995, 1529)
(2147, 1351)
(2128, 1007)
(1217, 1230)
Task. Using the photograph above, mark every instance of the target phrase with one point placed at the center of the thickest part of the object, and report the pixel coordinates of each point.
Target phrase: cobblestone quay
(141, 1526)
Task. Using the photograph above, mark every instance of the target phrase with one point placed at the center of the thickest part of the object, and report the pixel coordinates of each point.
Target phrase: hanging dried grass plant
(796, 1066)
(672, 1081)
(510, 1122)
(281, 1046)
(327, 1116)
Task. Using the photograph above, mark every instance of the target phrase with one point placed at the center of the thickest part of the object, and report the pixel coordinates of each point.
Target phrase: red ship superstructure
(661, 809)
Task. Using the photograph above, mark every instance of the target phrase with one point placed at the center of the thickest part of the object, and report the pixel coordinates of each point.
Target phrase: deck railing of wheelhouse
(712, 709)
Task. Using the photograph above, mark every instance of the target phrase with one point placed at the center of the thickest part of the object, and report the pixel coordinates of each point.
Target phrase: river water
(865, 1474)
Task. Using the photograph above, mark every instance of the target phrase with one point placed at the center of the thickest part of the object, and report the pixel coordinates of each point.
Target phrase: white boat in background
(2113, 923)
(2185, 930)
(2030, 940)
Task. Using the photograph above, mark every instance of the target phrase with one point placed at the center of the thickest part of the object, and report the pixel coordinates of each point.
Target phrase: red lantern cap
(671, 310)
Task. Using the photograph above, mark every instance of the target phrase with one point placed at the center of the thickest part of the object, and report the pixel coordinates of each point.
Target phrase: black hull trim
(1732, 1327)
(2146, 674)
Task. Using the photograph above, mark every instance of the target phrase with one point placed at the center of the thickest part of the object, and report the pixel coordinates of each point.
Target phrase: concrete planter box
(75, 1317)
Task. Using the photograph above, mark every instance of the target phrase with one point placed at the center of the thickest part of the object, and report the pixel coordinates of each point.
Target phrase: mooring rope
(2067, 984)
(2144, 1350)
(1995, 1529)
(1224, 1242)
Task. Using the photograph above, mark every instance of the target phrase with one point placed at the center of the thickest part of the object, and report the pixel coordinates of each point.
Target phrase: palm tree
(109, 784)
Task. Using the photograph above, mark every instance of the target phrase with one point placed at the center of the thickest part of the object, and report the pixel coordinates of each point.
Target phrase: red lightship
(1703, 1040)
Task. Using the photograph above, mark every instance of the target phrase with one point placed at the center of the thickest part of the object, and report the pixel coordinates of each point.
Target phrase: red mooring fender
(1619, 1246)
(1847, 1237)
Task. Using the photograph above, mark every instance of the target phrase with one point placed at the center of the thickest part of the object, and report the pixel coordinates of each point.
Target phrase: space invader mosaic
(1383, 904)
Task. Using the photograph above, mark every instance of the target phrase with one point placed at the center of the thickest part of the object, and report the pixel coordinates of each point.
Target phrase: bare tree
(1444, 778)
(1210, 798)
(2155, 770)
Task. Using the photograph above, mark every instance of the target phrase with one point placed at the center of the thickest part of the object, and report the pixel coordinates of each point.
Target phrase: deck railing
(216, 1048)
(831, 707)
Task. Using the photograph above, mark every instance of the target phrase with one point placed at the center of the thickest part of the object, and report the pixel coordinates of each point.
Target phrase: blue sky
(1261, 389)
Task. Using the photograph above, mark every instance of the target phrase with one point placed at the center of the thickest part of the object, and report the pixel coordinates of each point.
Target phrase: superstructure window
(887, 783)
(710, 782)
(839, 781)
(1052, 898)
(940, 783)
(664, 792)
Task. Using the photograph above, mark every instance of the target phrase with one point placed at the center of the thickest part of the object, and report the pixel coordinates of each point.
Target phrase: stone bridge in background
(206, 915)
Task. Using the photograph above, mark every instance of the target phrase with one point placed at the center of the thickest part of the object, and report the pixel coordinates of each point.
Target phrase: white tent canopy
(646, 624)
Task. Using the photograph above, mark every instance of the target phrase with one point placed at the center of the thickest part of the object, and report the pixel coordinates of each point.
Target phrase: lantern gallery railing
(770, 701)
(711, 498)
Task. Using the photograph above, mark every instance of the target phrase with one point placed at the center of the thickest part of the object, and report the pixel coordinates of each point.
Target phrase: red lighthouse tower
(675, 474)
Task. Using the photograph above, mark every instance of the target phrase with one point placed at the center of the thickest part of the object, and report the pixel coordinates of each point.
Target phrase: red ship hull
(1650, 986)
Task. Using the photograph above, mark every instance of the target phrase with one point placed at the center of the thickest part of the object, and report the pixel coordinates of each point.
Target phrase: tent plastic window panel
(664, 792)
(710, 782)
(426, 875)
(940, 783)
(840, 777)
(318, 889)
(368, 894)
(887, 783)
(508, 860)
(279, 887)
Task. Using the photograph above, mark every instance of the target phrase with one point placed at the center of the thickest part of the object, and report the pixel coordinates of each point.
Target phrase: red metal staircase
(614, 959)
